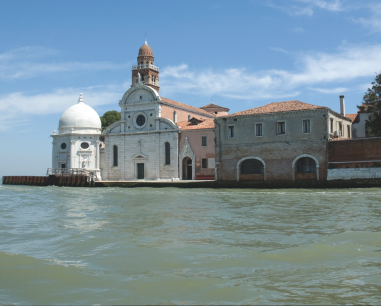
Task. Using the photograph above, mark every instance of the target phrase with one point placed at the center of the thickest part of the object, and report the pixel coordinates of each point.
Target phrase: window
(331, 126)
(140, 120)
(204, 163)
(174, 116)
(115, 156)
(281, 128)
(252, 166)
(142, 78)
(63, 166)
(231, 131)
(167, 153)
(258, 129)
(306, 165)
(349, 131)
(63, 146)
(85, 145)
(340, 129)
(203, 141)
(306, 126)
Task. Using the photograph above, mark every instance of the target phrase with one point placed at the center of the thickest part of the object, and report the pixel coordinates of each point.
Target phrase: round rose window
(140, 120)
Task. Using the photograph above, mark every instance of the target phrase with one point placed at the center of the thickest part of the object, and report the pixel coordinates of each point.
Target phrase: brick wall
(354, 150)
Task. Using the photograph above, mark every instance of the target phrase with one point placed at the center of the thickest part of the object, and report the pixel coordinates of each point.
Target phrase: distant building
(278, 141)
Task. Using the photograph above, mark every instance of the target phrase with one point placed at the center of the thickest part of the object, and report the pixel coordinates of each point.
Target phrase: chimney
(342, 105)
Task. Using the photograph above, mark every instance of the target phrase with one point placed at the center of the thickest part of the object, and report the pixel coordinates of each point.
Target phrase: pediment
(139, 156)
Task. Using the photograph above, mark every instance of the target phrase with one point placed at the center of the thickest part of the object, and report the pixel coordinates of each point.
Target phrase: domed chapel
(156, 138)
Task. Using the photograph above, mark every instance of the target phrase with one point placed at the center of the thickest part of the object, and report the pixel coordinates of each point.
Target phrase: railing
(92, 174)
(137, 67)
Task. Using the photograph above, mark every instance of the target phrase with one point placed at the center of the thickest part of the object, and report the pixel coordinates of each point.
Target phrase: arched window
(252, 166)
(115, 156)
(141, 63)
(174, 116)
(306, 165)
(167, 153)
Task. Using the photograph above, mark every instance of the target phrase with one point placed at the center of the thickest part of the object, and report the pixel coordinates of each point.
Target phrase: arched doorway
(187, 168)
(252, 170)
(305, 169)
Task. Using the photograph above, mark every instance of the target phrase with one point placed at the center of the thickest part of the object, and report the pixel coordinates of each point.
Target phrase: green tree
(372, 105)
(109, 118)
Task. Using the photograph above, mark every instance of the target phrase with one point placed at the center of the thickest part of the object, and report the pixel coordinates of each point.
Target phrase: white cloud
(330, 5)
(314, 69)
(16, 108)
(23, 63)
(331, 90)
(374, 21)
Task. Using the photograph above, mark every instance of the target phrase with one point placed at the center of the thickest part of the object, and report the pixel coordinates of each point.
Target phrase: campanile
(145, 72)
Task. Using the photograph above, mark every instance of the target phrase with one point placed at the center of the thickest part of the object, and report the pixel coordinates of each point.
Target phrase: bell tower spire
(145, 72)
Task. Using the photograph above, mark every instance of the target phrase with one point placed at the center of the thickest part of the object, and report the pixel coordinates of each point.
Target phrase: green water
(189, 246)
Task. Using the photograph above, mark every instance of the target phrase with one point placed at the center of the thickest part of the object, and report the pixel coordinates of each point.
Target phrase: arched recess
(187, 152)
(250, 157)
(301, 156)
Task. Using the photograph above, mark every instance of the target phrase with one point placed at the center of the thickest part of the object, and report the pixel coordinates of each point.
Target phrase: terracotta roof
(353, 117)
(187, 107)
(276, 107)
(211, 105)
(205, 124)
(145, 50)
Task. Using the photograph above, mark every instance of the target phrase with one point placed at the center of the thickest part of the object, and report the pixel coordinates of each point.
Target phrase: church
(156, 138)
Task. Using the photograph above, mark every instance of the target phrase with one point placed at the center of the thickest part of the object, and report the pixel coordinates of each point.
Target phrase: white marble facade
(77, 145)
(140, 139)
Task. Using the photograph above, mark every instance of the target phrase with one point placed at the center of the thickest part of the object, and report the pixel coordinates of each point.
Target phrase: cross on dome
(80, 98)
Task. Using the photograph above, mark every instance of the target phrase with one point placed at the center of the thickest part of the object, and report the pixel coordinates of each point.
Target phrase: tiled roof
(276, 107)
(353, 117)
(187, 107)
(211, 105)
(205, 124)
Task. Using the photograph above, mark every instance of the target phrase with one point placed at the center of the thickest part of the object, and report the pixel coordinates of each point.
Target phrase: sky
(237, 54)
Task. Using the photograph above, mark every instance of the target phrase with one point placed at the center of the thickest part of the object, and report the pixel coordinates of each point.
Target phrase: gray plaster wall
(279, 152)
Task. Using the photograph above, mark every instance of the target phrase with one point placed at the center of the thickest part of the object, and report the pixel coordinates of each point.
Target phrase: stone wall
(353, 173)
(278, 158)
(152, 155)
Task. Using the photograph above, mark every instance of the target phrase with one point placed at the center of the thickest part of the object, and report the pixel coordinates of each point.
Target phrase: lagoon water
(189, 246)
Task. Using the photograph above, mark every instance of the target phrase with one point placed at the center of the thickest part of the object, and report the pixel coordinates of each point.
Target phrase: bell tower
(145, 72)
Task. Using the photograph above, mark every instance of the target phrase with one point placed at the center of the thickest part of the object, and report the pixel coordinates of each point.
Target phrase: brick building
(281, 141)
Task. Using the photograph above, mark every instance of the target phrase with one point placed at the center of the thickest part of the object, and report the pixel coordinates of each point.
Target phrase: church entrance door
(187, 168)
(140, 171)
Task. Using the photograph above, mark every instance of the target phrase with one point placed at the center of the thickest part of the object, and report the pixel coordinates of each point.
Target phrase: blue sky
(238, 54)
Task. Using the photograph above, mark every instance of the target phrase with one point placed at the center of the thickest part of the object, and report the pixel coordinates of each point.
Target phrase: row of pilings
(56, 180)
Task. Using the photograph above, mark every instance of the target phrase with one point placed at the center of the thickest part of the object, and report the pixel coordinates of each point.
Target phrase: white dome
(80, 118)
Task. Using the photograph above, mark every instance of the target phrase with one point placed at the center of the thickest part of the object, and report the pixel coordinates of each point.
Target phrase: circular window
(63, 146)
(84, 145)
(140, 120)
